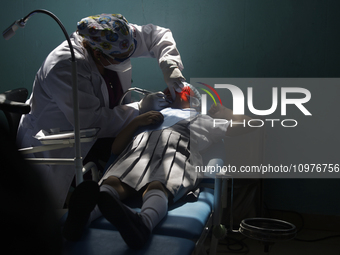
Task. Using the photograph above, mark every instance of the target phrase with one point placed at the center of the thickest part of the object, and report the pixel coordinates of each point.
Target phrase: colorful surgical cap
(109, 33)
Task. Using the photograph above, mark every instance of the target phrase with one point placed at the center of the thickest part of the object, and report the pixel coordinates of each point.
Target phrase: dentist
(103, 46)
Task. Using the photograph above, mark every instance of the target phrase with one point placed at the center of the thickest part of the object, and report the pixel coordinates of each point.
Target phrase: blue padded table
(108, 242)
(185, 219)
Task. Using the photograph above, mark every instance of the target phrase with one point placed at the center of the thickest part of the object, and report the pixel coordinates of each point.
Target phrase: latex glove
(153, 102)
(172, 77)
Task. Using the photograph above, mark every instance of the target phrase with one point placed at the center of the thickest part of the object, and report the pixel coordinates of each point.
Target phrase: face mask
(122, 67)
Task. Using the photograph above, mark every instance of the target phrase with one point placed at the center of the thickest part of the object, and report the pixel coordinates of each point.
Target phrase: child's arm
(125, 136)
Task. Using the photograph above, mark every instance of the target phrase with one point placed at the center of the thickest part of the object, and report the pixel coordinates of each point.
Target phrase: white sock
(109, 189)
(96, 213)
(154, 208)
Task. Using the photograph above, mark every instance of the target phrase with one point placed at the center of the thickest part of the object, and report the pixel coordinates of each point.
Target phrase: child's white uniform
(168, 153)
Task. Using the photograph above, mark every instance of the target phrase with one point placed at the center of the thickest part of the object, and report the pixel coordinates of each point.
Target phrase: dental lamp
(9, 32)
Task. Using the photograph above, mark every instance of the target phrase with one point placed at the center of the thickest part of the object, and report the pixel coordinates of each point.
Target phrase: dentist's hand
(172, 77)
(153, 102)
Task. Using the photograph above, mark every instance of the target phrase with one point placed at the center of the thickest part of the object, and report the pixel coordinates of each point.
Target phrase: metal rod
(51, 161)
(30, 150)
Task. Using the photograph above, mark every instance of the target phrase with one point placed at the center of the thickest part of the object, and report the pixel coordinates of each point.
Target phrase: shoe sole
(124, 220)
(83, 200)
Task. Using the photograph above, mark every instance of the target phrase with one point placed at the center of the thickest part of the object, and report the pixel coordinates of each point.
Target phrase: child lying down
(157, 164)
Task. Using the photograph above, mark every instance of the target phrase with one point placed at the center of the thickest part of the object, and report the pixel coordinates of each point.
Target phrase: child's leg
(155, 204)
(83, 207)
(121, 189)
(135, 228)
(115, 188)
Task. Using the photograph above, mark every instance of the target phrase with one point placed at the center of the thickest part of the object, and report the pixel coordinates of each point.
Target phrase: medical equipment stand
(7, 34)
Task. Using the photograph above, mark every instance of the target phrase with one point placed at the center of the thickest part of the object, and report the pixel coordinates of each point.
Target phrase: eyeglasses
(108, 57)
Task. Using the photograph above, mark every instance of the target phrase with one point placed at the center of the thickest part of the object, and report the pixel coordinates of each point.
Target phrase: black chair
(36, 230)
(12, 103)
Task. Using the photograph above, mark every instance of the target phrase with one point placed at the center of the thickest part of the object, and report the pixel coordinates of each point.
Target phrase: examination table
(182, 231)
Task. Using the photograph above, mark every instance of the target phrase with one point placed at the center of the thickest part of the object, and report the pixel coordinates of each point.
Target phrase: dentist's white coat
(51, 100)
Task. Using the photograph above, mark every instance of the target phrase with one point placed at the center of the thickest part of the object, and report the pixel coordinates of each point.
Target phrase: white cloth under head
(171, 117)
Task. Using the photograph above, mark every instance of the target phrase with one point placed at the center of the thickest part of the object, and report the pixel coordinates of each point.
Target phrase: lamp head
(10, 31)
